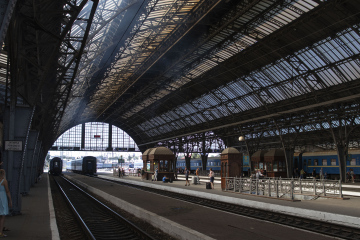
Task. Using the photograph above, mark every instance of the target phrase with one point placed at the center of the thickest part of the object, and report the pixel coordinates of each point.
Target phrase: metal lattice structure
(282, 73)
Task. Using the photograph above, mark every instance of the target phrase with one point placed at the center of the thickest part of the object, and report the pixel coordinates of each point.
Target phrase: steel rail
(93, 212)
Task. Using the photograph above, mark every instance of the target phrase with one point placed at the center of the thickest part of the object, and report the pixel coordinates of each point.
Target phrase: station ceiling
(275, 71)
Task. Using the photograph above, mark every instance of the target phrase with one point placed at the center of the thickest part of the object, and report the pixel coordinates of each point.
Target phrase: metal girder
(215, 122)
(47, 56)
(176, 36)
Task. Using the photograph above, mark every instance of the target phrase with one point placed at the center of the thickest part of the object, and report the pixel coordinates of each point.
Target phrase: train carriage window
(353, 161)
(333, 162)
(316, 162)
(309, 162)
(324, 162)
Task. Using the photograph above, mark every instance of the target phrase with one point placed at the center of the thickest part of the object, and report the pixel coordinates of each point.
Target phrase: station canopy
(166, 69)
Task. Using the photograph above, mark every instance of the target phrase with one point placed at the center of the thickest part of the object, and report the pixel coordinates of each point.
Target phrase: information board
(13, 145)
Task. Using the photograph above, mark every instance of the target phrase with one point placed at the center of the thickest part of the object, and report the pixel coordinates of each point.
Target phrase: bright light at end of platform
(241, 138)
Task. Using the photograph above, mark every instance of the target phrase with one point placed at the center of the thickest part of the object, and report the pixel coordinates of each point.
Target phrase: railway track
(325, 228)
(96, 220)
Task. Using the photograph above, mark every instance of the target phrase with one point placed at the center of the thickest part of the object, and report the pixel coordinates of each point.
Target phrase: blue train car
(328, 161)
(212, 162)
(56, 166)
(86, 165)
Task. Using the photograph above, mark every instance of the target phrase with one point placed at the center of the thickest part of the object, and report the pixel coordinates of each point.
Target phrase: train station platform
(344, 212)
(180, 218)
(37, 219)
(183, 220)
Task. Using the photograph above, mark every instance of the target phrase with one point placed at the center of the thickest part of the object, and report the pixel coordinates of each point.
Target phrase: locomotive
(55, 166)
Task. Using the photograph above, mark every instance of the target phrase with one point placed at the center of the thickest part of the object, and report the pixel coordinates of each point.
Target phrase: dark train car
(86, 165)
(55, 166)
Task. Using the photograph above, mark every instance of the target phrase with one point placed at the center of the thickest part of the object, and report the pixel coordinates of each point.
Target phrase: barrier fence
(285, 188)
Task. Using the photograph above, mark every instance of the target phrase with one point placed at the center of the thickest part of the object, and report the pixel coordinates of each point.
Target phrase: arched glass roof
(95, 137)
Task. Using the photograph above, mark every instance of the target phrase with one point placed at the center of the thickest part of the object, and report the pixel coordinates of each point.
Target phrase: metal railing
(284, 188)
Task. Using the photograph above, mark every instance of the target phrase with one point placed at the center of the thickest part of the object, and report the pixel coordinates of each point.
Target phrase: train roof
(323, 153)
(326, 153)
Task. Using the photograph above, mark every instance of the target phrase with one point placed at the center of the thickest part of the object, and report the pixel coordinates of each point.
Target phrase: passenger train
(328, 161)
(212, 162)
(86, 165)
(55, 166)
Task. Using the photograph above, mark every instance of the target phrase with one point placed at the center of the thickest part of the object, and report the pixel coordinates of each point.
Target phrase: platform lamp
(241, 138)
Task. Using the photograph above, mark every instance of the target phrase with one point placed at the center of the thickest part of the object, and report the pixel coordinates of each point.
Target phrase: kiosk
(257, 160)
(161, 158)
(275, 163)
(231, 164)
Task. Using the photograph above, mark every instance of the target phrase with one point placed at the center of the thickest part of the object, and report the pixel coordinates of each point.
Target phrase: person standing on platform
(187, 177)
(321, 174)
(302, 173)
(197, 176)
(212, 177)
(314, 173)
(5, 200)
(259, 174)
(142, 174)
(156, 174)
(352, 175)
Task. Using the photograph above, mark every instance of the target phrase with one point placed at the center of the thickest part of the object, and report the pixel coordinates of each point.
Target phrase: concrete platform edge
(53, 225)
(172, 228)
(344, 220)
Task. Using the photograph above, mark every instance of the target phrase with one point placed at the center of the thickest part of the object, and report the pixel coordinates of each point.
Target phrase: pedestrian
(352, 175)
(348, 176)
(321, 173)
(297, 173)
(176, 173)
(5, 200)
(165, 179)
(212, 177)
(142, 174)
(259, 174)
(197, 175)
(187, 183)
(314, 173)
(302, 173)
(156, 174)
